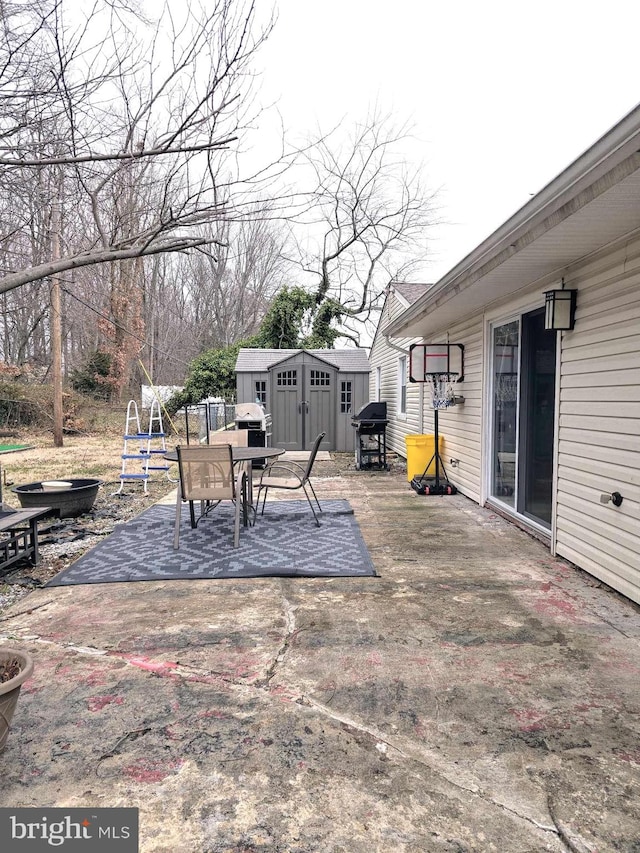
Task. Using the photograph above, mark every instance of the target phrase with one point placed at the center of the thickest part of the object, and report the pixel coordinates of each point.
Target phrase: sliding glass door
(523, 399)
(506, 369)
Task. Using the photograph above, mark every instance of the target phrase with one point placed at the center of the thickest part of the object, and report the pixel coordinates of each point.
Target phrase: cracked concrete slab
(479, 695)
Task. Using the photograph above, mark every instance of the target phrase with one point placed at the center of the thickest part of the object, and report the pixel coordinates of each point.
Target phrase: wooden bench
(20, 539)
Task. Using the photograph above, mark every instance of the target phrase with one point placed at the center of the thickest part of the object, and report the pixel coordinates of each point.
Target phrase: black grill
(371, 435)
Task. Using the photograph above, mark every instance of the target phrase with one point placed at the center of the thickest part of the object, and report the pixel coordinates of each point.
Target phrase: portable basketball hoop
(435, 366)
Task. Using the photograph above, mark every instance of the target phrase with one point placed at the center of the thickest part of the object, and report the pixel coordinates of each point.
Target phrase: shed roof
(347, 360)
(594, 203)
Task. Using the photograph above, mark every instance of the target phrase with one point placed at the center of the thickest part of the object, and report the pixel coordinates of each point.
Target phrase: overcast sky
(502, 95)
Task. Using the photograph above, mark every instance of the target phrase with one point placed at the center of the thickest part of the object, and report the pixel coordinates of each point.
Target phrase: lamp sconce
(560, 309)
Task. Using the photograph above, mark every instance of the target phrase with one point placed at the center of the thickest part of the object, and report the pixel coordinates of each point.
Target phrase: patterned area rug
(285, 542)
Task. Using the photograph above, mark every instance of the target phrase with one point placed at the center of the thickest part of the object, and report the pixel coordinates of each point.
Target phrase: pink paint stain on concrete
(97, 703)
(555, 604)
(529, 720)
(149, 771)
(157, 667)
(631, 757)
(506, 672)
(217, 715)
(219, 680)
(95, 679)
(589, 706)
(284, 693)
(533, 720)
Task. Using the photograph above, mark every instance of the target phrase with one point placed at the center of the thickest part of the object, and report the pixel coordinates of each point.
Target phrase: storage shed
(306, 392)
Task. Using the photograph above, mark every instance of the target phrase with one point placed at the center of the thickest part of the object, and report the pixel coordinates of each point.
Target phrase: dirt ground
(63, 541)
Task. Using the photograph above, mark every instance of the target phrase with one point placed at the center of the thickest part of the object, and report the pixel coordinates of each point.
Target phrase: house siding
(582, 228)
(599, 423)
(386, 357)
(461, 425)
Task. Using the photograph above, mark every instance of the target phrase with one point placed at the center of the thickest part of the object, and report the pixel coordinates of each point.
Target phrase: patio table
(242, 454)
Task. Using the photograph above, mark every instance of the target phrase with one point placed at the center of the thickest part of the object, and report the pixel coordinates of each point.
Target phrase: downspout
(395, 346)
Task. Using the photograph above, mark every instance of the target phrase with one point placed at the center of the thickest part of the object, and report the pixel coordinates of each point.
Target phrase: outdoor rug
(285, 542)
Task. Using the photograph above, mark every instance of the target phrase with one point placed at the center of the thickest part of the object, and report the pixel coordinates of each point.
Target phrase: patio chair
(236, 438)
(207, 475)
(296, 476)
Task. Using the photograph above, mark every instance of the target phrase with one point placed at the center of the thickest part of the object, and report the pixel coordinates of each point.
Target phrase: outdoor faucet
(615, 498)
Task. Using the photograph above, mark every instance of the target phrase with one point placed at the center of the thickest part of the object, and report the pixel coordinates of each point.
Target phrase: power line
(128, 331)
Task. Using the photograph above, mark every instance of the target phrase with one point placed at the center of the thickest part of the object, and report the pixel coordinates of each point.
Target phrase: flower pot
(10, 690)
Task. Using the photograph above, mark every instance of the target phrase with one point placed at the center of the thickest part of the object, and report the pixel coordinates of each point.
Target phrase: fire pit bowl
(75, 498)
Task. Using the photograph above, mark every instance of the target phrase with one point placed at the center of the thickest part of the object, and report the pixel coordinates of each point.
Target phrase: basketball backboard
(426, 359)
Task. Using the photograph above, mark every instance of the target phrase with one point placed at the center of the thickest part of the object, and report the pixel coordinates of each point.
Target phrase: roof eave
(621, 143)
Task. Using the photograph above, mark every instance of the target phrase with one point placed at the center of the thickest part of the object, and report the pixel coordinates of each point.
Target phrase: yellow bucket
(420, 451)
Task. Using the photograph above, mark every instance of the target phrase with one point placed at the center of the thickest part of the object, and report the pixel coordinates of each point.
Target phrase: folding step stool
(157, 434)
(142, 456)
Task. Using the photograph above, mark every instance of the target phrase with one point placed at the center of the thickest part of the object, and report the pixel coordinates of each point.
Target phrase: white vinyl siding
(599, 427)
(461, 425)
(384, 357)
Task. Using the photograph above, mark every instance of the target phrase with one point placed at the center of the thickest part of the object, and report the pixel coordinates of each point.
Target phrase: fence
(207, 417)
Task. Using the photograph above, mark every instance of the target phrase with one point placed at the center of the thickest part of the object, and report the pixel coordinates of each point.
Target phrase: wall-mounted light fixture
(560, 309)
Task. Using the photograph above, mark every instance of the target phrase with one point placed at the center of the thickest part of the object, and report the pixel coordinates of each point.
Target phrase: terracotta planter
(10, 690)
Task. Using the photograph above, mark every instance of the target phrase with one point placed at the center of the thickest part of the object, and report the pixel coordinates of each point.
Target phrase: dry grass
(96, 455)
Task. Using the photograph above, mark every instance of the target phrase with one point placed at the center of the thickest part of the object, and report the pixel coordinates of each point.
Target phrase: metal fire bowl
(66, 503)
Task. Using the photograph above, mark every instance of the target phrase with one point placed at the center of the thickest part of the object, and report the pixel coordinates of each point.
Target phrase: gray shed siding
(344, 431)
(246, 387)
(292, 427)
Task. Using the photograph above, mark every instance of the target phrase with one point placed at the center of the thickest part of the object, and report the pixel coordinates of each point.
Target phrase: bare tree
(85, 95)
(370, 218)
(230, 296)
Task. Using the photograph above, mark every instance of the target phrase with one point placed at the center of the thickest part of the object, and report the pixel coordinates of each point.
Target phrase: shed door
(287, 399)
(319, 413)
(304, 405)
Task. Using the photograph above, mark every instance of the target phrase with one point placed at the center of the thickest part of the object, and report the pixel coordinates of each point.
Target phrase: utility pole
(56, 330)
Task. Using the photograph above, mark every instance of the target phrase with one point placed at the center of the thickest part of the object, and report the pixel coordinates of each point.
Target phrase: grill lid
(376, 411)
(252, 412)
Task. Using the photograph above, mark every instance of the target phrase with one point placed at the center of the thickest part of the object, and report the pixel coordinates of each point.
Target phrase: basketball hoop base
(429, 486)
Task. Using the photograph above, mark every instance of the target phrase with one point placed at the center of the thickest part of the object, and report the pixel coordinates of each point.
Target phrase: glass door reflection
(506, 365)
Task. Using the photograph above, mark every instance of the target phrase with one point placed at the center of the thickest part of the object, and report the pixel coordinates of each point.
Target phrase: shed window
(287, 378)
(345, 398)
(261, 392)
(320, 378)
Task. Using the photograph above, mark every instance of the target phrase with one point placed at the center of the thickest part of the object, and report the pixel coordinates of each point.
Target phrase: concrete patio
(479, 695)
